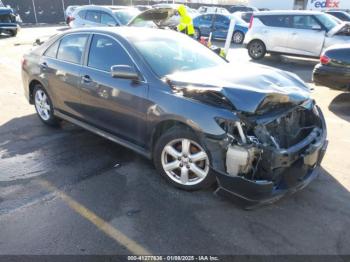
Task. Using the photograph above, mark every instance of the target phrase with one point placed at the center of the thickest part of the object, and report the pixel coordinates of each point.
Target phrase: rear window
(276, 20)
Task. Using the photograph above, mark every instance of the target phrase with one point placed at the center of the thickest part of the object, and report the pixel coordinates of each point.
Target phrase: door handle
(86, 79)
(294, 33)
(43, 65)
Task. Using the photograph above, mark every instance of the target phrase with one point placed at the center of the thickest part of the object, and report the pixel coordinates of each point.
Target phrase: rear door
(221, 25)
(61, 65)
(116, 105)
(307, 37)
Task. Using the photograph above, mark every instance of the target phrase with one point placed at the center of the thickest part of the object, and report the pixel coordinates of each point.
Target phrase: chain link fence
(52, 11)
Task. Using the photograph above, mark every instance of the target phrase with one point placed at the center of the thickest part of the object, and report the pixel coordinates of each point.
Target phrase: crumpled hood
(247, 87)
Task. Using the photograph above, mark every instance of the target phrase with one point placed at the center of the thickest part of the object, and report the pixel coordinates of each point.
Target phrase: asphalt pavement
(68, 191)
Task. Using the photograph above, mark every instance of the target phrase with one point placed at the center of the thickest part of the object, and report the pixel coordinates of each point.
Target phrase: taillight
(23, 62)
(325, 60)
(251, 22)
(70, 19)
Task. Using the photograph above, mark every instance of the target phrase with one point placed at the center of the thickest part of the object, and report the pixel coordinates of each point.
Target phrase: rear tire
(256, 49)
(181, 159)
(238, 37)
(44, 106)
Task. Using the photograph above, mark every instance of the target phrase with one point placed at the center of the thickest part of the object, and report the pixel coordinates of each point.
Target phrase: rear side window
(82, 14)
(276, 20)
(72, 47)
(93, 16)
(106, 52)
(52, 50)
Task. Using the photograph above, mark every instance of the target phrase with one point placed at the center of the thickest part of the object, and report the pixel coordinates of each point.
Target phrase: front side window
(305, 22)
(125, 16)
(207, 18)
(107, 19)
(72, 47)
(93, 16)
(327, 21)
(222, 20)
(106, 52)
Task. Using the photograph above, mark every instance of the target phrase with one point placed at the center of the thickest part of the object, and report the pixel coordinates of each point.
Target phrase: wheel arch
(32, 85)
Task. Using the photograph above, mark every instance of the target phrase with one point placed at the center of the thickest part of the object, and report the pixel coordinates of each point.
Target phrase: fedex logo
(326, 3)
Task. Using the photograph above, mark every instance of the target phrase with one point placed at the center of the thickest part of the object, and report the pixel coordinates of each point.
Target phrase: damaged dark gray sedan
(253, 130)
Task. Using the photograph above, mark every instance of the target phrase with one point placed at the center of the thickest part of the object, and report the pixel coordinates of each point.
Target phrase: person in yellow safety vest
(186, 24)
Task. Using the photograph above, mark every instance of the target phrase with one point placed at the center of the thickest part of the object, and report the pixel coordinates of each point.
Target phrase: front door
(118, 106)
(307, 36)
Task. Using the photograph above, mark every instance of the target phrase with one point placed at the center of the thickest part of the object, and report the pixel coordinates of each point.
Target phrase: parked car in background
(241, 8)
(302, 33)
(68, 13)
(245, 16)
(334, 68)
(8, 22)
(93, 15)
(174, 19)
(143, 7)
(342, 15)
(219, 24)
(213, 10)
(171, 99)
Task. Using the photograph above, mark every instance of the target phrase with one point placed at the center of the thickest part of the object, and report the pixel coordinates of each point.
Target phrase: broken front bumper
(300, 166)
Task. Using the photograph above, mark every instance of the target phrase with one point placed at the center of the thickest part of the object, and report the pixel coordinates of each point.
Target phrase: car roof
(103, 7)
(287, 12)
(5, 10)
(124, 31)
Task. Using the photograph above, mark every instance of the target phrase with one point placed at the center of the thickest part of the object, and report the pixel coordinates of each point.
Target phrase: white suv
(93, 15)
(301, 33)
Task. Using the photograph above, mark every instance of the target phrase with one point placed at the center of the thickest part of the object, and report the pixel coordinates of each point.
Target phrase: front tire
(197, 33)
(181, 159)
(44, 107)
(256, 49)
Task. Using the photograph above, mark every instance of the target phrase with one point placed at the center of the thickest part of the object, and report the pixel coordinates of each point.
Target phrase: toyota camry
(251, 130)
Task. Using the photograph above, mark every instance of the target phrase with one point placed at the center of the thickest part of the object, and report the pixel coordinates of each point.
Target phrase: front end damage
(270, 155)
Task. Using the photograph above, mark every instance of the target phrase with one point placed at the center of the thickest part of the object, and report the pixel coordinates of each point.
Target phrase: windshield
(125, 15)
(328, 22)
(175, 52)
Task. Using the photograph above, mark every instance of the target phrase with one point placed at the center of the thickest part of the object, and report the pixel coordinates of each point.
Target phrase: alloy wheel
(185, 162)
(237, 37)
(42, 105)
(256, 49)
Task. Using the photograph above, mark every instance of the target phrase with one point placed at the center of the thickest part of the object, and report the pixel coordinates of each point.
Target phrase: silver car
(301, 33)
(92, 16)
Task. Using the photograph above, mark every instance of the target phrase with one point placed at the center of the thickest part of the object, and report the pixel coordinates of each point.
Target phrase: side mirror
(125, 72)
